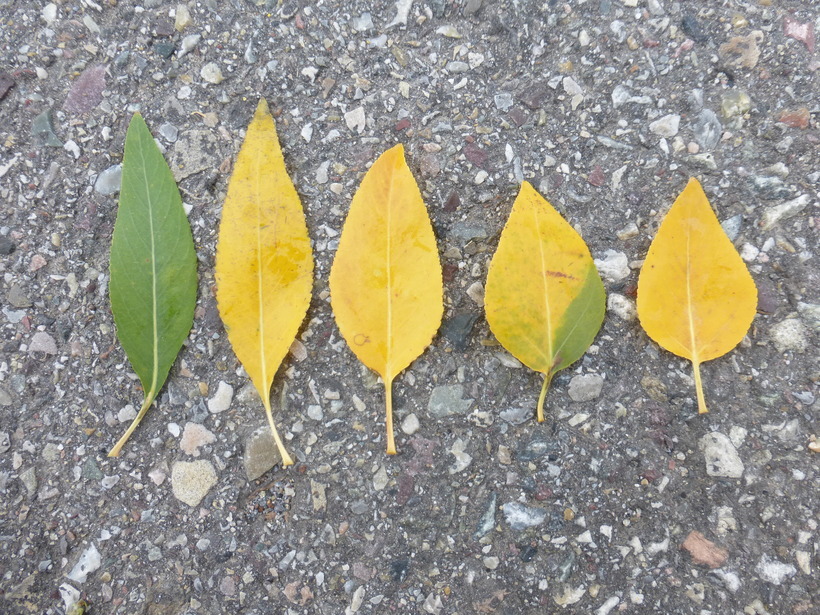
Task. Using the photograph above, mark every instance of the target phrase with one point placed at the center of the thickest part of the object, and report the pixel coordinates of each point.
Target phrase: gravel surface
(624, 500)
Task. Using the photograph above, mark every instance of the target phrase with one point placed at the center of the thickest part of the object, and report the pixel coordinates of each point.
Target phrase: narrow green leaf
(153, 266)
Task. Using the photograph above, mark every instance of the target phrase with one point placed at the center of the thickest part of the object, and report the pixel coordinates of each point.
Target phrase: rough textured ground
(625, 501)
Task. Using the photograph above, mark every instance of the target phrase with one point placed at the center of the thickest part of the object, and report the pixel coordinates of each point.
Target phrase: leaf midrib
(389, 278)
(260, 287)
(547, 308)
(154, 309)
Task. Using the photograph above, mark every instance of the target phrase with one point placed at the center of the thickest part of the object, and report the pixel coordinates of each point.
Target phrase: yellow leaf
(695, 296)
(264, 266)
(385, 283)
(545, 301)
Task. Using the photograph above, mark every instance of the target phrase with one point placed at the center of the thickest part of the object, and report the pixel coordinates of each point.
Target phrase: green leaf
(153, 266)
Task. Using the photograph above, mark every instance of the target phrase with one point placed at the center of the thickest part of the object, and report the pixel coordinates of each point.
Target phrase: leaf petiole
(388, 402)
(149, 399)
(702, 409)
(287, 460)
(539, 415)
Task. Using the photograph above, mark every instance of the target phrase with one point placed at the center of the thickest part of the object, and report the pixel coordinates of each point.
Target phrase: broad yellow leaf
(385, 283)
(544, 300)
(695, 296)
(264, 266)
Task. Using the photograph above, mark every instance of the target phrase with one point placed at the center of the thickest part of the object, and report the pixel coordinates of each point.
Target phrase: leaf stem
(149, 399)
(388, 402)
(702, 409)
(287, 460)
(539, 415)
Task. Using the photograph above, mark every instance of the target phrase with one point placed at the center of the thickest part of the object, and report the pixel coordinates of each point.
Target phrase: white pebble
(410, 424)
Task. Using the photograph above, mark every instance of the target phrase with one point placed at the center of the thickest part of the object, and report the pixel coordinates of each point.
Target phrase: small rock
(790, 334)
(169, 132)
(516, 416)
(770, 188)
(692, 28)
(503, 101)
(795, 118)
(784, 211)
(734, 103)
(742, 51)
(362, 23)
(707, 129)
(260, 454)
(520, 517)
(195, 436)
(457, 329)
(463, 459)
(42, 342)
(667, 126)
(410, 424)
(191, 481)
(476, 292)
(614, 266)
(491, 562)
(211, 73)
(126, 414)
(623, 307)
(803, 32)
(108, 182)
(704, 551)
(487, 521)
(721, 456)
(774, 571)
(569, 595)
(5, 441)
(188, 44)
(183, 18)
(29, 479)
(730, 579)
(86, 91)
(809, 311)
(585, 387)
(380, 479)
(456, 66)
(90, 561)
(731, 226)
(446, 400)
(356, 119)
(221, 400)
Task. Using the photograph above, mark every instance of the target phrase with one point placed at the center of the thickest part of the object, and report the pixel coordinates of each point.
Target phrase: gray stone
(784, 211)
(260, 453)
(5, 441)
(516, 416)
(770, 188)
(410, 424)
(721, 456)
(774, 571)
(667, 126)
(521, 517)
(467, 231)
(613, 266)
(707, 129)
(221, 400)
(487, 521)
(503, 101)
(790, 334)
(195, 436)
(455, 66)
(211, 73)
(191, 481)
(169, 132)
(623, 307)
(42, 342)
(109, 181)
(585, 387)
(29, 479)
(731, 226)
(5, 397)
(195, 151)
(447, 400)
(90, 561)
(809, 311)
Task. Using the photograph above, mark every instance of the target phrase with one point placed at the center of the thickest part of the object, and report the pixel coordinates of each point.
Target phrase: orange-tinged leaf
(696, 297)
(545, 301)
(264, 265)
(385, 283)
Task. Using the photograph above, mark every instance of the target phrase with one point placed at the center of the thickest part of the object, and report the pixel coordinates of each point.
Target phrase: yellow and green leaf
(544, 299)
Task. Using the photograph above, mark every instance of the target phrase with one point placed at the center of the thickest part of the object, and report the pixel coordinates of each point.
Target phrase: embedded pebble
(191, 481)
(261, 453)
(211, 73)
(774, 571)
(773, 215)
(90, 561)
(614, 266)
(356, 119)
(5, 441)
(667, 126)
(516, 416)
(463, 459)
(704, 551)
(108, 181)
(447, 400)
(623, 307)
(585, 387)
(790, 334)
(195, 436)
(410, 424)
(221, 400)
(521, 517)
(42, 342)
(722, 459)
